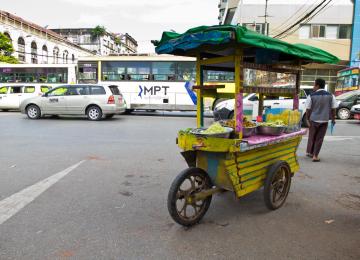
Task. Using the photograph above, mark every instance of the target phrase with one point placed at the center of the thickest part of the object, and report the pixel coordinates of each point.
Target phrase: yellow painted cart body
(236, 164)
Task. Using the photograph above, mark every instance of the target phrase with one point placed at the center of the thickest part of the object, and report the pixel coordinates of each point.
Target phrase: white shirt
(334, 103)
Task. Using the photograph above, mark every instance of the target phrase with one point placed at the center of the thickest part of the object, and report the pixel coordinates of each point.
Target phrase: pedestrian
(320, 108)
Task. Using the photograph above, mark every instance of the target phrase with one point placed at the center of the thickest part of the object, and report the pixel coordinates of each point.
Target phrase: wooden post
(199, 98)
(261, 104)
(239, 92)
(297, 91)
(99, 76)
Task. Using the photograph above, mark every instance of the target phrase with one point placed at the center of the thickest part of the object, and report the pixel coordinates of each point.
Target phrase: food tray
(249, 131)
(198, 132)
(270, 130)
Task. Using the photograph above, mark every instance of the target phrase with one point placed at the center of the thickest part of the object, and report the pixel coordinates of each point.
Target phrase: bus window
(219, 76)
(164, 71)
(186, 71)
(138, 71)
(29, 89)
(3, 90)
(113, 70)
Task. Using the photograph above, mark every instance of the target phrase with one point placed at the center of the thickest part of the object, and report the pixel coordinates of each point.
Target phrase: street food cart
(233, 161)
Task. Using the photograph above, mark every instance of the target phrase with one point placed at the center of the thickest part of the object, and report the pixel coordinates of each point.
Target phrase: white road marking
(13, 204)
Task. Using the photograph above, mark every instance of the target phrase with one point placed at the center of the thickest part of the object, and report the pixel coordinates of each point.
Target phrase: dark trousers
(317, 133)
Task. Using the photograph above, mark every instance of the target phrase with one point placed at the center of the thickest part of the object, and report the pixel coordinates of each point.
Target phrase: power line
(307, 20)
(297, 17)
(302, 19)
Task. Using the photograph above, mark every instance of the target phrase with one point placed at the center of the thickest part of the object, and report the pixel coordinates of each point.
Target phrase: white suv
(94, 101)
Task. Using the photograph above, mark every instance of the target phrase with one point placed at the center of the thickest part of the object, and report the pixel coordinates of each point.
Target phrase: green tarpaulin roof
(215, 39)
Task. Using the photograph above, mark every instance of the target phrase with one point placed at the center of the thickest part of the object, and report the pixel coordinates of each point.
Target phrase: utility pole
(265, 18)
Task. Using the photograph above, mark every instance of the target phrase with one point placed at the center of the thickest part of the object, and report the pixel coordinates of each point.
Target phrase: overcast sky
(145, 20)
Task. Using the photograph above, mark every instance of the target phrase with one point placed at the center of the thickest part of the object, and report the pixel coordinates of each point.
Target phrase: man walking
(320, 108)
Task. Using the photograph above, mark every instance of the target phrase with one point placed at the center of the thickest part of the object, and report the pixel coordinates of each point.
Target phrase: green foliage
(117, 41)
(5, 44)
(6, 49)
(98, 31)
(8, 59)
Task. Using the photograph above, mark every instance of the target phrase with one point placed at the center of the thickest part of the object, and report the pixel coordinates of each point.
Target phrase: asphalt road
(113, 205)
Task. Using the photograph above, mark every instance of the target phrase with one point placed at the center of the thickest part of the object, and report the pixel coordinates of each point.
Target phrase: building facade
(35, 44)
(330, 29)
(104, 45)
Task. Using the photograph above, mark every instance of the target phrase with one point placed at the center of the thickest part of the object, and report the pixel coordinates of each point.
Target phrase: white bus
(21, 81)
(146, 82)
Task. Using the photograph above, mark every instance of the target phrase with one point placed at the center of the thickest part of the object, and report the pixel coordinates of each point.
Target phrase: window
(44, 54)
(44, 89)
(186, 71)
(34, 53)
(318, 31)
(56, 55)
(3, 90)
(115, 90)
(29, 89)
(34, 75)
(58, 91)
(219, 76)
(257, 27)
(304, 32)
(97, 90)
(332, 31)
(344, 31)
(21, 49)
(164, 71)
(15, 90)
(113, 70)
(138, 70)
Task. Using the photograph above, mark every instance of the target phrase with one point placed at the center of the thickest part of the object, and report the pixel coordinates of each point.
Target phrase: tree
(97, 32)
(6, 49)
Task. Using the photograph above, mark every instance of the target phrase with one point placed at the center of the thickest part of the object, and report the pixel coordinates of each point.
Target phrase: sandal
(316, 160)
(309, 155)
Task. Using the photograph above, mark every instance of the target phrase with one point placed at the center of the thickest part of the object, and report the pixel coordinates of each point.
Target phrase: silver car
(94, 101)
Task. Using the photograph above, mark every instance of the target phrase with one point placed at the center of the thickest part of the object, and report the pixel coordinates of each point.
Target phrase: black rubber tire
(128, 111)
(231, 115)
(217, 101)
(108, 116)
(33, 112)
(273, 169)
(176, 184)
(90, 110)
(5, 110)
(345, 109)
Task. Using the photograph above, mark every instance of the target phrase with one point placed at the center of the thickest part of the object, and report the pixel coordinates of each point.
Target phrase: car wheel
(344, 113)
(33, 112)
(94, 113)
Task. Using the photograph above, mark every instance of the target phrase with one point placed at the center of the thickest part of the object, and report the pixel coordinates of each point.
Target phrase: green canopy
(221, 40)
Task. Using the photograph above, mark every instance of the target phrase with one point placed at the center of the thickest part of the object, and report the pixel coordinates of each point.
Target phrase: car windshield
(346, 95)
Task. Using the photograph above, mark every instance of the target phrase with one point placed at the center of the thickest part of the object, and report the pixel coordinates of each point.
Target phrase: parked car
(355, 110)
(94, 101)
(12, 95)
(345, 102)
(225, 109)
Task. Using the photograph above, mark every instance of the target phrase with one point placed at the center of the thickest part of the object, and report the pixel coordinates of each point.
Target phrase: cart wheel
(184, 211)
(277, 185)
